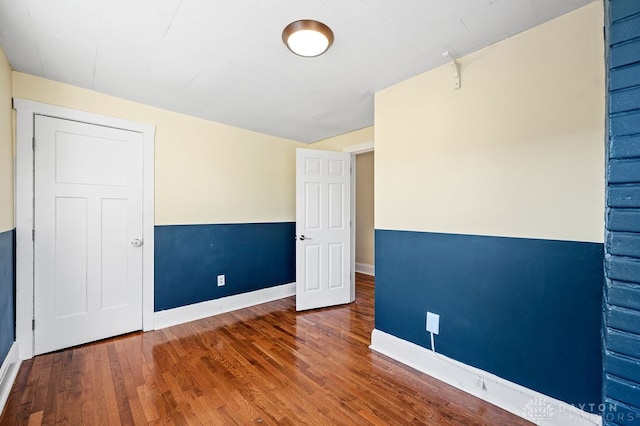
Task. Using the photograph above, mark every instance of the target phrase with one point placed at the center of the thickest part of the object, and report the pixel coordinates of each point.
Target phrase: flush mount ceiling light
(307, 37)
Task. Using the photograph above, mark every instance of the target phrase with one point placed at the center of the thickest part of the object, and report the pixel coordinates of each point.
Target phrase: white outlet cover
(221, 280)
(433, 323)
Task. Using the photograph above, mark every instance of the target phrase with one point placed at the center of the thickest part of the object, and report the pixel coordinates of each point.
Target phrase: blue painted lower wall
(252, 256)
(526, 310)
(7, 292)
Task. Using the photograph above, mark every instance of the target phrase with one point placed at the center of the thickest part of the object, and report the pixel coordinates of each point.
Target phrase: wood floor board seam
(266, 365)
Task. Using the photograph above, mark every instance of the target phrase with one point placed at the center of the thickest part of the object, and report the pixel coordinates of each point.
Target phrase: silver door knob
(302, 238)
(137, 242)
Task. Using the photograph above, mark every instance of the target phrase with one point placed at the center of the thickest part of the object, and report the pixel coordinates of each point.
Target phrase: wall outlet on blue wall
(221, 280)
(433, 323)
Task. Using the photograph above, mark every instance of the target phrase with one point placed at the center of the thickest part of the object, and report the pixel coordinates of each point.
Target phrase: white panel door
(323, 236)
(88, 232)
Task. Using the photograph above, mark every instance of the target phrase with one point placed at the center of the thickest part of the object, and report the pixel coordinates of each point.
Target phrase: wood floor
(262, 365)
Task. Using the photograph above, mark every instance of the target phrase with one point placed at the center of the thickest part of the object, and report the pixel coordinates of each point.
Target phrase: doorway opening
(364, 203)
(362, 212)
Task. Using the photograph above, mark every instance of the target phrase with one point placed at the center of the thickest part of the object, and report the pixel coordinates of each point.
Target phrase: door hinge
(33, 142)
(33, 324)
(33, 235)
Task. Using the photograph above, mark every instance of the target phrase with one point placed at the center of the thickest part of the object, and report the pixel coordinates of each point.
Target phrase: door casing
(355, 150)
(24, 213)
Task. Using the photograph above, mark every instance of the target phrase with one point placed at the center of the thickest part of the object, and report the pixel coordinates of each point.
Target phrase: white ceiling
(225, 60)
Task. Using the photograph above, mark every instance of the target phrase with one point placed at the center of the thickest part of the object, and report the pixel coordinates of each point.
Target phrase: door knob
(137, 242)
(302, 238)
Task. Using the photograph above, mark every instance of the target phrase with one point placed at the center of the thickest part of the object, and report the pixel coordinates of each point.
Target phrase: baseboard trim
(196, 311)
(8, 373)
(365, 268)
(521, 401)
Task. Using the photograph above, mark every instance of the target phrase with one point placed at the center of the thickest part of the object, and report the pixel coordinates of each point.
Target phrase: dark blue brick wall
(621, 330)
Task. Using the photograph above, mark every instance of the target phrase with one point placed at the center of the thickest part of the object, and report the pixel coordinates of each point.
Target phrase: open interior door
(323, 231)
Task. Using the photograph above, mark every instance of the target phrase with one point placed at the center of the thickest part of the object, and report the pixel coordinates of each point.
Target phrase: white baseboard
(523, 402)
(8, 373)
(365, 268)
(170, 317)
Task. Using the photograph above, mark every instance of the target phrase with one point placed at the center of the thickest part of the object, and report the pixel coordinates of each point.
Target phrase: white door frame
(355, 150)
(24, 214)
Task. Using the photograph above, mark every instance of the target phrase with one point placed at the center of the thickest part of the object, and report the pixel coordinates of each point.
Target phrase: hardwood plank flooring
(261, 365)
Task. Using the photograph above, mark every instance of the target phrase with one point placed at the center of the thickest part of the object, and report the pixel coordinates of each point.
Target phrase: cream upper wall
(205, 172)
(338, 143)
(365, 208)
(517, 151)
(6, 146)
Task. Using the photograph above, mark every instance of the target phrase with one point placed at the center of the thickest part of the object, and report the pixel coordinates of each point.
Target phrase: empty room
(320, 212)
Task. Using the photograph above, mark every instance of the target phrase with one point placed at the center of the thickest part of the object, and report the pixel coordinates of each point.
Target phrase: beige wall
(364, 208)
(205, 172)
(6, 146)
(517, 151)
(337, 143)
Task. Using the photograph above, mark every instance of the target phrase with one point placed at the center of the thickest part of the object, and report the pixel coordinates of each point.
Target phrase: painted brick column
(621, 333)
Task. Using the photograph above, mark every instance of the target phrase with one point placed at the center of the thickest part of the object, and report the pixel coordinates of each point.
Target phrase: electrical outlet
(433, 323)
(221, 280)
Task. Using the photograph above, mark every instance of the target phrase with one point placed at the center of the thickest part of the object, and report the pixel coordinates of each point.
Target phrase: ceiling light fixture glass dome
(307, 37)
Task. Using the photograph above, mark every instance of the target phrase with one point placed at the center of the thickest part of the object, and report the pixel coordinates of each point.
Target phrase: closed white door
(88, 233)
(323, 236)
